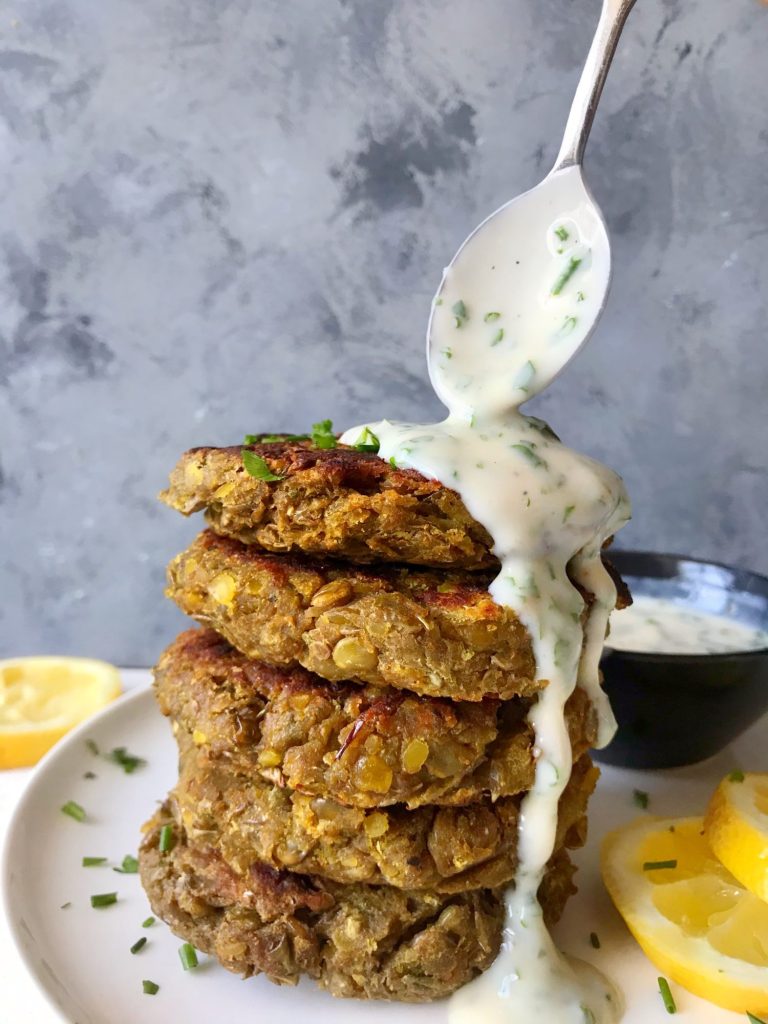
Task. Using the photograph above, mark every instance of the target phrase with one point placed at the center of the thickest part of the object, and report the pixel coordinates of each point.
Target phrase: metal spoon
(525, 290)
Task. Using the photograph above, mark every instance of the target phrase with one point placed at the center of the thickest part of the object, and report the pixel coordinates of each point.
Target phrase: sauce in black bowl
(675, 709)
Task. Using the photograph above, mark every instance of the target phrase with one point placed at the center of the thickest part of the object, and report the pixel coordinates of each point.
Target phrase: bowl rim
(657, 656)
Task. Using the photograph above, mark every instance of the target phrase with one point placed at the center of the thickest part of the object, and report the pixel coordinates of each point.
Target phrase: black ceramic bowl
(676, 709)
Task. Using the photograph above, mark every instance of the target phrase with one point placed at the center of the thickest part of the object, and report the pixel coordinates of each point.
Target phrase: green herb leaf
(73, 810)
(165, 843)
(104, 899)
(498, 337)
(562, 233)
(447, 352)
(148, 922)
(491, 317)
(641, 798)
(65, 906)
(139, 944)
(459, 311)
(530, 454)
(573, 265)
(659, 865)
(568, 512)
(188, 956)
(367, 442)
(130, 866)
(257, 467)
(93, 862)
(594, 940)
(737, 776)
(568, 326)
(666, 996)
(323, 435)
(392, 462)
(543, 427)
(580, 296)
(523, 380)
(273, 438)
(91, 745)
(127, 761)
(149, 988)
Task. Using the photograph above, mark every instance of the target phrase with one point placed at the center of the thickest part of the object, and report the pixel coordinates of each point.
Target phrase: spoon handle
(584, 106)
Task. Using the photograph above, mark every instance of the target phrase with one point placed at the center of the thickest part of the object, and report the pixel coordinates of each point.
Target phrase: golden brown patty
(435, 633)
(358, 941)
(358, 745)
(335, 502)
(449, 849)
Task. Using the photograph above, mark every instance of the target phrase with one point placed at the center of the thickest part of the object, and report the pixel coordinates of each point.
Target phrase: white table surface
(20, 1000)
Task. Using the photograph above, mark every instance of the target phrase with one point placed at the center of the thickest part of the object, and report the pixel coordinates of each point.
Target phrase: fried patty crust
(337, 503)
(357, 745)
(436, 633)
(448, 849)
(357, 941)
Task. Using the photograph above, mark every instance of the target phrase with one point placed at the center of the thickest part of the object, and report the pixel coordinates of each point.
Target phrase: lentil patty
(358, 745)
(448, 849)
(357, 941)
(338, 502)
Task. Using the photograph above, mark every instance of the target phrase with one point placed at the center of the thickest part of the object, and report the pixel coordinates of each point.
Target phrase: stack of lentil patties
(351, 720)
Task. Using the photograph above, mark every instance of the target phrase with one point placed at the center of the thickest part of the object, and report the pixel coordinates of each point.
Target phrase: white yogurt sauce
(547, 508)
(657, 625)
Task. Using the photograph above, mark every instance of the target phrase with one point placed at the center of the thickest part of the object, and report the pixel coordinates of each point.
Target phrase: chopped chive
(90, 775)
(367, 442)
(127, 761)
(573, 265)
(737, 776)
(459, 311)
(568, 512)
(568, 325)
(438, 302)
(447, 352)
(93, 862)
(323, 435)
(498, 337)
(188, 957)
(525, 376)
(130, 865)
(530, 454)
(148, 923)
(165, 842)
(91, 745)
(594, 940)
(104, 899)
(273, 438)
(257, 467)
(562, 233)
(65, 906)
(659, 865)
(392, 462)
(580, 296)
(490, 317)
(149, 988)
(666, 996)
(139, 944)
(73, 810)
(640, 798)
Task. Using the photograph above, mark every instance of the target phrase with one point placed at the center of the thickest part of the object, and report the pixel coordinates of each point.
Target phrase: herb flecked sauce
(549, 510)
(658, 625)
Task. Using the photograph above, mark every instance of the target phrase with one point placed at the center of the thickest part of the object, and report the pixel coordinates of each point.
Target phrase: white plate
(80, 957)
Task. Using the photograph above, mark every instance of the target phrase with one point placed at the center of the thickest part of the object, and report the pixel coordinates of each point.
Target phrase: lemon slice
(694, 921)
(41, 699)
(737, 829)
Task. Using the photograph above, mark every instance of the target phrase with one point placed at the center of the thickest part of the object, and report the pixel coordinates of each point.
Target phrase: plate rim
(143, 693)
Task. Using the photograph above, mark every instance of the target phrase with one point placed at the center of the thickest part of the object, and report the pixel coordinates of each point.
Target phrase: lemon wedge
(736, 824)
(41, 699)
(693, 919)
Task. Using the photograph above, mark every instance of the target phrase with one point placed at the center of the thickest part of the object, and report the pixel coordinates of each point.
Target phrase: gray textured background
(230, 215)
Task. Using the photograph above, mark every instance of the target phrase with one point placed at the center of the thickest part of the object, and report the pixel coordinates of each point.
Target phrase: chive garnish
(139, 944)
(498, 336)
(130, 865)
(65, 906)
(640, 798)
(188, 956)
(562, 233)
(568, 512)
(666, 995)
(91, 745)
(580, 296)
(257, 467)
(594, 940)
(659, 865)
(148, 923)
(323, 435)
(73, 810)
(367, 442)
(150, 988)
(93, 862)
(127, 761)
(529, 453)
(447, 352)
(490, 317)
(392, 462)
(273, 438)
(459, 311)
(737, 776)
(165, 842)
(525, 376)
(568, 325)
(573, 265)
(104, 899)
